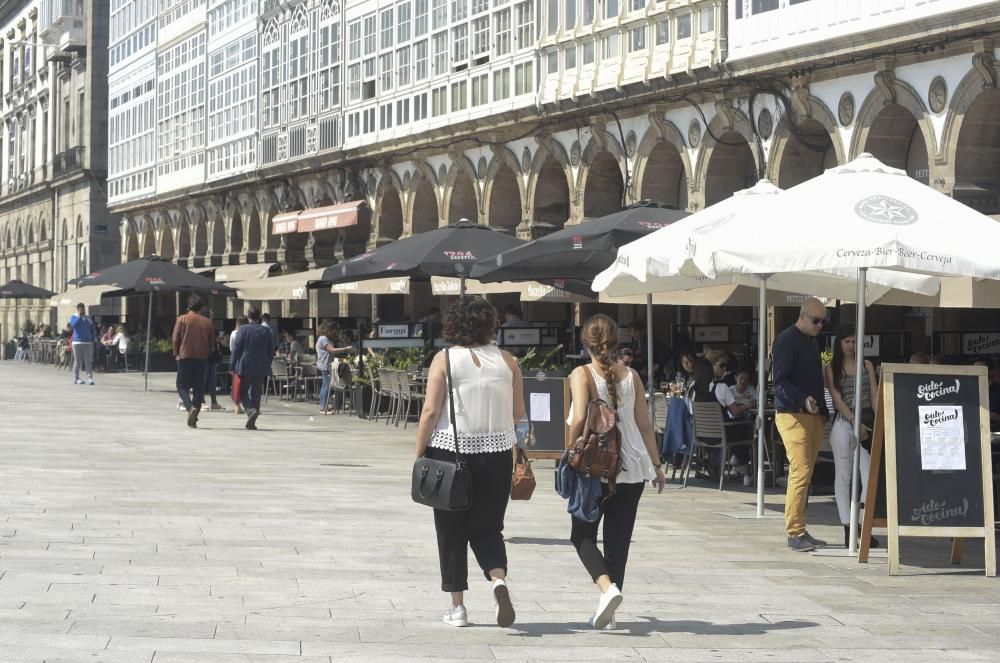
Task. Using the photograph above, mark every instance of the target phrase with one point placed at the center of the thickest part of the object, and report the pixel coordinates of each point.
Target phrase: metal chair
(277, 381)
(712, 432)
(410, 393)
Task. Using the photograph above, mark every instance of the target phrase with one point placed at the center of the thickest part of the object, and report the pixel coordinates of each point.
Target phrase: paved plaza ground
(127, 538)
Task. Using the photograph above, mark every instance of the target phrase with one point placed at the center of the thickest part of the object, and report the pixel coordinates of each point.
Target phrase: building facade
(54, 219)
(531, 115)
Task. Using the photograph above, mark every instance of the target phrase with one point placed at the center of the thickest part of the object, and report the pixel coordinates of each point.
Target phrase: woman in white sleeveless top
(640, 462)
(489, 399)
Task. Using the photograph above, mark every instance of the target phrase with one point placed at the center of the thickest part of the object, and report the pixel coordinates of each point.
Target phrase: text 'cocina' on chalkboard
(933, 423)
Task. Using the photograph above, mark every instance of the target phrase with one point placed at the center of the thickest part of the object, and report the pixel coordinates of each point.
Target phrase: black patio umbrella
(18, 289)
(582, 252)
(150, 275)
(576, 252)
(447, 251)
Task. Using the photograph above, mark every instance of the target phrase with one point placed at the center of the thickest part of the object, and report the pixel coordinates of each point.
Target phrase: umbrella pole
(149, 325)
(650, 380)
(859, 371)
(461, 286)
(761, 390)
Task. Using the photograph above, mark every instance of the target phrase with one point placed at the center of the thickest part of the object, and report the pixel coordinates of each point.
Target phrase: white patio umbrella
(861, 216)
(286, 286)
(662, 261)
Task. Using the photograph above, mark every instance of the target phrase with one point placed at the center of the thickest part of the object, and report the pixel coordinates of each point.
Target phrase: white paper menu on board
(541, 407)
(942, 437)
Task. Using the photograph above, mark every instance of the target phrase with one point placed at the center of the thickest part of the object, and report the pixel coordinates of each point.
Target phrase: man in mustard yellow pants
(801, 413)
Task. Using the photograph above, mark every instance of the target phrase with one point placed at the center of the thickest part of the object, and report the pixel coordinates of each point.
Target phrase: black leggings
(618, 512)
(481, 527)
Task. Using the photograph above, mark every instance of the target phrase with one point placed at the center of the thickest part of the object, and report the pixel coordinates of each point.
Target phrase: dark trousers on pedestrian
(481, 526)
(251, 389)
(618, 513)
(191, 382)
(210, 379)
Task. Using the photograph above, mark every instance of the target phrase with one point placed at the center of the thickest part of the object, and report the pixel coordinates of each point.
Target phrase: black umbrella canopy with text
(447, 251)
(152, 274)
(18, 289)
(576, 252)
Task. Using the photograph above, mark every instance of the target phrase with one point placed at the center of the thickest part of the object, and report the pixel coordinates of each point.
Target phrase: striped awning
(317, 218)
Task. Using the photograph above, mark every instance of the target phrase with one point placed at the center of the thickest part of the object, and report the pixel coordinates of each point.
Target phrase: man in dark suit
(253, 348)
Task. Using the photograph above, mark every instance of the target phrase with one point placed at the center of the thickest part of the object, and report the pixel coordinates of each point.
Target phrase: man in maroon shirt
(193, 339)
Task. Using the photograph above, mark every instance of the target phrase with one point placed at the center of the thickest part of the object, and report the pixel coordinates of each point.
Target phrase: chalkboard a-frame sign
(933, 432)
(546, 403)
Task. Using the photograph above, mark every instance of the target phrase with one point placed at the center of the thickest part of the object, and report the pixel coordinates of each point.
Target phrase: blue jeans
(324, 390)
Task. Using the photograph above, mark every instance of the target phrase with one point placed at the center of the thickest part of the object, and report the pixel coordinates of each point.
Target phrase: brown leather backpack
(597, 452)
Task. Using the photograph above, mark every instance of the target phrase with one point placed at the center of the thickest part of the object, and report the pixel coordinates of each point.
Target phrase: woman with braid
(622, 389)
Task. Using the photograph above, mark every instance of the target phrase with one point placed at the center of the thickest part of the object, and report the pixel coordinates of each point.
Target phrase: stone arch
(31, 231)
(970, 143)
(727, 162)
(200, 236)
(253, 232)
(803, 152)
(387, 215)
(131, 244)
(503, 188)
(18, 234)
(423, 202)
(603, 186)
(601, 180)
(236, 233)
(148, 242)
(79, 228)
(549, 192)
(42, 231)
(896, 129)
(218, 236)
(811, 141)
(166, 240)
(967, 93)
(183, 238)
(656, 175)
(461, 192)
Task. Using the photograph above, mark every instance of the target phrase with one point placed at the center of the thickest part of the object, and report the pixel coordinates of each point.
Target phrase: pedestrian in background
(83, 338)
(253, 348)
(800, 402)
(487, 390)
(212, 364)
(622, 389)
(193, 339)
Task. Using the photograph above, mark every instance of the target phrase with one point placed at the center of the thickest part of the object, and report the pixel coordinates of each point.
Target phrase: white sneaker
(77, 381)
(90, 381)
(612, 626)
(457, 616)
(505, 610)
(610, 600)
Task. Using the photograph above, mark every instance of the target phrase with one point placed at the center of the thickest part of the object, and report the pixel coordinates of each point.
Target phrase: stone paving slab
(127, 538)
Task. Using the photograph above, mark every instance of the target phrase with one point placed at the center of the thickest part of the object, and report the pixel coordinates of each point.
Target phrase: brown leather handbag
(522, 483)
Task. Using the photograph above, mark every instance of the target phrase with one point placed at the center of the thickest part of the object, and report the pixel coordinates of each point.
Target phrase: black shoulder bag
(443, 484)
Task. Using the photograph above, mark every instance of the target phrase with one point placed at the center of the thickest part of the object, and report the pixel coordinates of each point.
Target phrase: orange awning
(317, 218)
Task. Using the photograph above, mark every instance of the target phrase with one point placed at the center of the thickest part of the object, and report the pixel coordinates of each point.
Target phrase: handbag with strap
(597, 452)
(443, 484)
(522, 484)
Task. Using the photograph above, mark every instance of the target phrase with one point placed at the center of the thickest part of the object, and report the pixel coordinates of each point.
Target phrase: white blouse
(484, 403)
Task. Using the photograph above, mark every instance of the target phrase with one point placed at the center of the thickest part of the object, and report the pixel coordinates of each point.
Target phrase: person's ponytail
(600, 337)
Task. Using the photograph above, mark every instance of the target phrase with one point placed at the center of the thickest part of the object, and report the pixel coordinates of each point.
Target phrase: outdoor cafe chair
(712, 432)
(376, 383)
(410, 392)
(309, 378)
(277, 381)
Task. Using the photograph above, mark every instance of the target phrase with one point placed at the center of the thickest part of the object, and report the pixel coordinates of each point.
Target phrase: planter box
(362, 399)
(159, 362)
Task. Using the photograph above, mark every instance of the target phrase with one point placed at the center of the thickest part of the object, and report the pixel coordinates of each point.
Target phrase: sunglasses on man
(817, 321)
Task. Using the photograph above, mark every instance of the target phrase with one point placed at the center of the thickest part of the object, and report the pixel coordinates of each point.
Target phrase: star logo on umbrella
(886, 210)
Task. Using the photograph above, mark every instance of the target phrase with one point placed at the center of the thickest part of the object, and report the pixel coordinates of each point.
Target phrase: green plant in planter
(533, 360)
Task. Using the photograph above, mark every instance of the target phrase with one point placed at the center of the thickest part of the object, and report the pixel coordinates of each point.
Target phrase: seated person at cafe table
(743, 392)
(707, 389)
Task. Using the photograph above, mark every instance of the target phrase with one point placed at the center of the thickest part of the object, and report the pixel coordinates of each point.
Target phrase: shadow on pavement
(654, 625)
